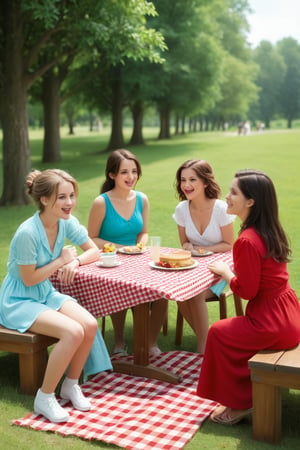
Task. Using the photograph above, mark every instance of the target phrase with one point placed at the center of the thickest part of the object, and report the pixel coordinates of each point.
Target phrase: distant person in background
(247, 128)
(203, 223)
(272, 317)
(240, 128)
(260, 127)
(120, 216)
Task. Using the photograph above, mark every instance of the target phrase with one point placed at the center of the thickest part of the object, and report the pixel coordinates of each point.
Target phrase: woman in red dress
(272, 316)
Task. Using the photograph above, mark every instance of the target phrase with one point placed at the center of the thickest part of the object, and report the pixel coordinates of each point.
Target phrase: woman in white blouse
(203, 223)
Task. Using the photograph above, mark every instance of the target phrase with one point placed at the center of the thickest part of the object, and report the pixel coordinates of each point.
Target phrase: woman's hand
(221, 268)
(67, 273)
(188, 246)
(68, 254)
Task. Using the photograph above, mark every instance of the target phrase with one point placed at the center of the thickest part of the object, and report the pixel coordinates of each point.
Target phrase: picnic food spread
(108, 247)
(134, 248)
(201, 251)
(181, 258)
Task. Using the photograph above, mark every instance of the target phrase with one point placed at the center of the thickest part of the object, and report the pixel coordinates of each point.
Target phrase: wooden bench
(33, 355)
(271, 371)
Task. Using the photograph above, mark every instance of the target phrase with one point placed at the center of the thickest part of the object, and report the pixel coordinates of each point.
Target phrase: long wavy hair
(204, 171)
(113, 164)
(264, 216)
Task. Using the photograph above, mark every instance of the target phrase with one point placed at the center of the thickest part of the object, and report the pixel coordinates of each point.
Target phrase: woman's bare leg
(195, 313)
(75, 328)
(185, 312)
(118, 322)
(158, 315)
(90, 326)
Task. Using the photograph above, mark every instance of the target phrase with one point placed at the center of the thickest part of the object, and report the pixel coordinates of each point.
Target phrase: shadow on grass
(242, 432)
(87, 155)
(9, 382)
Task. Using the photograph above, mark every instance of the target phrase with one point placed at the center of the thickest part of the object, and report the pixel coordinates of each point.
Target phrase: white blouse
(212, 233)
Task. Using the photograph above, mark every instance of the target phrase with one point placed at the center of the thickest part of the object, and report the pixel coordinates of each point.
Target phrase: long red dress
(271, 321)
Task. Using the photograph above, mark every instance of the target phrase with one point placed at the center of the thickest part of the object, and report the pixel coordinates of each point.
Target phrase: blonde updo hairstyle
(45, 183)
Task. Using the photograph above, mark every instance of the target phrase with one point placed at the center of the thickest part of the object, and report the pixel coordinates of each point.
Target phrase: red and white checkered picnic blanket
(137, 413)
(103, 291)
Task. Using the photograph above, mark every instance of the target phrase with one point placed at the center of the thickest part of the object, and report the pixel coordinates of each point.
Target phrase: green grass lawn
(275, 152)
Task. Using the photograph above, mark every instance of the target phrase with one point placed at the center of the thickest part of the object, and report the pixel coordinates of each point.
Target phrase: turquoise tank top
(119, 230)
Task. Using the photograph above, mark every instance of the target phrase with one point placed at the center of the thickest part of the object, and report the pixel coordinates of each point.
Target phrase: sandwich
(180, 258)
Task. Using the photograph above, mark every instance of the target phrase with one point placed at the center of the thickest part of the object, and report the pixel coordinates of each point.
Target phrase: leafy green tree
(237, 89)
(138, 89)
(204, 39)
(289, 49)
(192, 68)
(36, 37)
(122, 25)
(271, 73)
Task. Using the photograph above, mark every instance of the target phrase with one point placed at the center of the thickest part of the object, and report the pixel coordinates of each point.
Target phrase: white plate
(135, 252)
(100, 264)
(155, 266)
(207, 253)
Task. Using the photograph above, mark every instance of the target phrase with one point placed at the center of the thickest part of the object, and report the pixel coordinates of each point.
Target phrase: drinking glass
(154, 248)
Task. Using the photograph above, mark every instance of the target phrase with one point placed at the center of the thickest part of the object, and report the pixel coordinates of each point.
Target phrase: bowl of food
(109, 248)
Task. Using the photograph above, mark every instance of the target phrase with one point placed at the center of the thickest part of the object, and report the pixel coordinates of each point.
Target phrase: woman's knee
(74, 332)
(90, 327)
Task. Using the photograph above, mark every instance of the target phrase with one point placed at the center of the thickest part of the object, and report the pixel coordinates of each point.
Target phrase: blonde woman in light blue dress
(29, 302)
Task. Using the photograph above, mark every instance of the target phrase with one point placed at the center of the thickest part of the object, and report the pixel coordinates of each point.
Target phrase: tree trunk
(116, 138)
(206, 127)
(183, 125)
(164, 132)
(195, 122)
(137, 116)
(70, 118)
(71, 124)
(201, 124)
(16, 152)
(51, 104)
(91, 121)
(176, 125)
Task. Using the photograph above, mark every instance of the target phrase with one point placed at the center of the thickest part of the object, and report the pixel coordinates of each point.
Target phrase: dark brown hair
(113, 164)
(263, 216)
(202, 170)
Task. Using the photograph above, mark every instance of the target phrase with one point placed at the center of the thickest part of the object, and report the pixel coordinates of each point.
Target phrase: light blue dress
(20, 305)
(116, 229)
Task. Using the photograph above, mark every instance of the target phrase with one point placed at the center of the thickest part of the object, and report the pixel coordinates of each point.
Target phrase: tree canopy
(187, 59)
(36, 37)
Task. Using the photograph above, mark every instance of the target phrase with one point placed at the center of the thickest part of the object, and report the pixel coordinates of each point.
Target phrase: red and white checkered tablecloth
(103, 291)
(137, 413)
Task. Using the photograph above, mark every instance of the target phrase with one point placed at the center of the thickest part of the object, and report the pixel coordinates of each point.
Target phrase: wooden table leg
(140, 366)
(266, 412)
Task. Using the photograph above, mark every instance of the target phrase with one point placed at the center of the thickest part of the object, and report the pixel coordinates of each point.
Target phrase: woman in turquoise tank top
(120, 215)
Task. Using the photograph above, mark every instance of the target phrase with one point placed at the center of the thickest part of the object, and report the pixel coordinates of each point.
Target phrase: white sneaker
(48, 406)
(75, 395)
